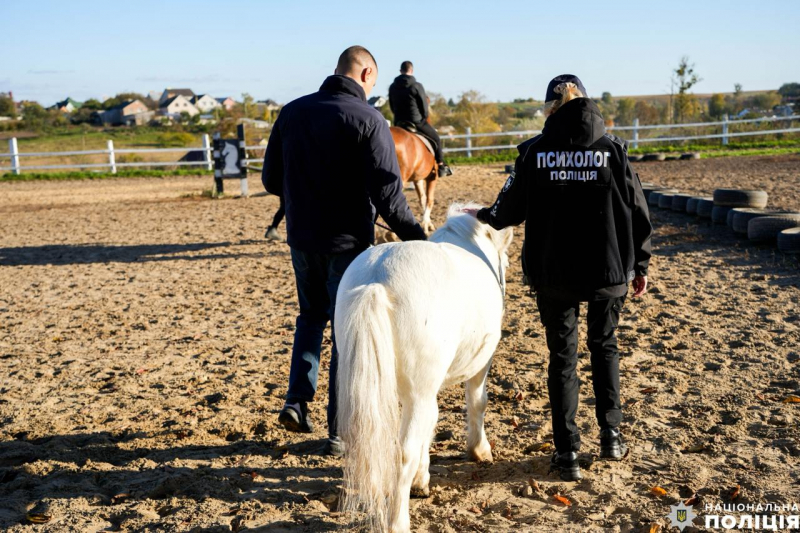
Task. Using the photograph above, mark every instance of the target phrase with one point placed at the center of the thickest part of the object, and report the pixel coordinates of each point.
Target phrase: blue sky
(284, 49)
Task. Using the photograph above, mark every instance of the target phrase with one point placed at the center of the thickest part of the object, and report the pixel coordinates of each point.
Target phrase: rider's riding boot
(444, 170)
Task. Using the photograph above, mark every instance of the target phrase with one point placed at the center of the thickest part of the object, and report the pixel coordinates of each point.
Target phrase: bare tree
(685, 78)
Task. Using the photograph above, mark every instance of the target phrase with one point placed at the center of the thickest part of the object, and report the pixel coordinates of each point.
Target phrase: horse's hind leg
(427, 225)
(478, 447)
(419, 419)
(420, 484)
(419, 186)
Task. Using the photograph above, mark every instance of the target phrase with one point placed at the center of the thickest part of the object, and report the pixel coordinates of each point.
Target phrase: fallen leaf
(735, 493)
(507, 513)
(520, 396)
(655, 528)
(141, 371)
(649, 390)
(760, 397)
(514, 422)
(696, 448)
(534, 484)
(558, 497)
(791, 399)
(484, 504)
(475, 510)
(658, 491)
(491, 445)
(119, 498)
(38, 518)
(694, 500)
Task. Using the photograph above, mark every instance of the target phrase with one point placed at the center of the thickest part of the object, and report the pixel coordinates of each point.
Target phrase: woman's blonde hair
(568, 91)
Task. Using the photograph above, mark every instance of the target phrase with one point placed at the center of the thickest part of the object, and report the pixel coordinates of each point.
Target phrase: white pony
(410, 319)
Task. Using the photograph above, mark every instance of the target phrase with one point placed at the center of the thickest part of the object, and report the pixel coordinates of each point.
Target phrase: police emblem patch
(509, 181)
(681, 516)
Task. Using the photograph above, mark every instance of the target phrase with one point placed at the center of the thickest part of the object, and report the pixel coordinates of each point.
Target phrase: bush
(176, 138)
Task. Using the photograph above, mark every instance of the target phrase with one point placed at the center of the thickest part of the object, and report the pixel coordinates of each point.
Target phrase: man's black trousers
(560, 319)
(428, 131)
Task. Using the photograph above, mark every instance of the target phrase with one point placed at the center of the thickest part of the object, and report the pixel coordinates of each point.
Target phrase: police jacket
(332, 158)
(587, 226)
(408, 100)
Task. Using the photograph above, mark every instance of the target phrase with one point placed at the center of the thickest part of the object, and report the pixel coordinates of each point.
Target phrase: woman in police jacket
(587, 236)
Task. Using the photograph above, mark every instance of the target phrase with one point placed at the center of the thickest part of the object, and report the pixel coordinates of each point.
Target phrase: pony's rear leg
(419, 186)
(420, 485)
(478, 447)
(419, 419)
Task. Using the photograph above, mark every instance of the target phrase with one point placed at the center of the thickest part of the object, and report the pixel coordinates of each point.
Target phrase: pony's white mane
(466, 226)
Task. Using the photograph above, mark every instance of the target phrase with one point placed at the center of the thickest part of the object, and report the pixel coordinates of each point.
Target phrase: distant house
(173, 107)
(205, 103)
(377, 101)
(227, 103)
(171, 93)
(67, 106)
(130, 113)
(268, 105)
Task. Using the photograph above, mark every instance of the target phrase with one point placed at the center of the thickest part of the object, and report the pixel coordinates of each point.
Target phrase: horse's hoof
(420, 493)
(481, 456)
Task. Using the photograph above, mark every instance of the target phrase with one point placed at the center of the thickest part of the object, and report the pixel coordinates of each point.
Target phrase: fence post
(469, 142)
(635, 142)
(207, 151)
(12, 145)
(111, 161)
(725, 130)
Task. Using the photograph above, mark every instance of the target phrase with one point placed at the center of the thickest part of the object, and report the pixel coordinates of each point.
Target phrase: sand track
(144, 349)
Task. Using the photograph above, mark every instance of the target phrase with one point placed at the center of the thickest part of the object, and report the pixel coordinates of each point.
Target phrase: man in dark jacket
(587, 236)
(409, 104)
(331, 158)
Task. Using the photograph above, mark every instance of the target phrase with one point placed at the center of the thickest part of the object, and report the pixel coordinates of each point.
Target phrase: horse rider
(409, 104)
(587, 236)
(331, 158)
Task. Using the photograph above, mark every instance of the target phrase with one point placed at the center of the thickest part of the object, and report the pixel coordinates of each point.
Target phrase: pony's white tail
(368, 417)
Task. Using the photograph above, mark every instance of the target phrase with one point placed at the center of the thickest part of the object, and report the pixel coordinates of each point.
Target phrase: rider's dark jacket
(332, 158)
(408, 100)
(587, 226)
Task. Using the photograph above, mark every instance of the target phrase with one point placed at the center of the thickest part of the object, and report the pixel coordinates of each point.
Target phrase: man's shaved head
(355, 59)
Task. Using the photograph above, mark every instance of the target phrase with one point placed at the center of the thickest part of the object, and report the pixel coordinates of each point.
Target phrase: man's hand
(639, 286)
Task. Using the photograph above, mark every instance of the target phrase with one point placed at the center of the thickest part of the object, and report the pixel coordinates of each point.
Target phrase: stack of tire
(745, 212)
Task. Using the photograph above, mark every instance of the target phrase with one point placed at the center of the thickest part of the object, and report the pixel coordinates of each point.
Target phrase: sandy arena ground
(145, 337)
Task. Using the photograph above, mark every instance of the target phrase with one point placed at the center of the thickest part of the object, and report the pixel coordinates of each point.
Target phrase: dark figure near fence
(272, 230)
(587, 236)
(409, 104)
(331, 158)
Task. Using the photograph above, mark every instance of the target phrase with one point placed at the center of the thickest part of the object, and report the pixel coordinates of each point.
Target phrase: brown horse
(417, 165)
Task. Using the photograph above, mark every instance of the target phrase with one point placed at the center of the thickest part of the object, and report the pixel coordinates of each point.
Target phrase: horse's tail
(368, 413)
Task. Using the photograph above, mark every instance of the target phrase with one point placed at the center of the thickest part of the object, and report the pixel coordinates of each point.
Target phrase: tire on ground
(704, 207)
(789, 241)
(743, 215)
(767, 228)
(719, 214)
(740, 198)
(653, 199)
(665, 200)
(691, 204)
(679, 202)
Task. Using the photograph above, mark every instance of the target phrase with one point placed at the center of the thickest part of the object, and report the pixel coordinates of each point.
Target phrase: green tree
(250, 108)
(685, 78)
(764, 101)
(472, 111)
(646, 113)
(789, 90)
(717, 106)
(606, 98)
(7, 107)
(625, 111)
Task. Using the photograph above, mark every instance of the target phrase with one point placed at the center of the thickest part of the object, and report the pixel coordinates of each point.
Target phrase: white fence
(16, 157)
(724, 134)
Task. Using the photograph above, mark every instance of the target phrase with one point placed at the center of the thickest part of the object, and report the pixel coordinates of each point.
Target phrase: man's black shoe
(333, 447)
(444, 170)
(567, 465)
(611, 445)
(294, 417)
